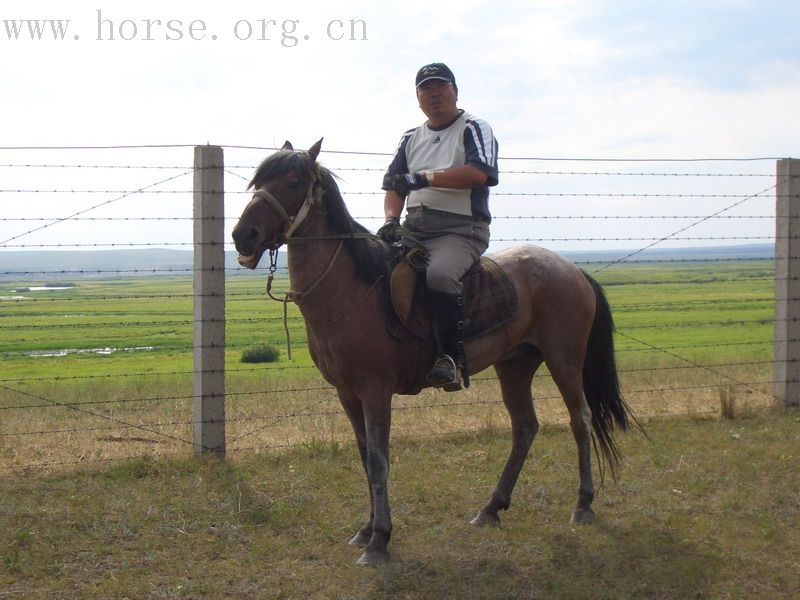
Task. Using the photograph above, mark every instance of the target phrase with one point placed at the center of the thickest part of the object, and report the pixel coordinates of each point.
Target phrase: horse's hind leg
(516, 376)
(569, 379)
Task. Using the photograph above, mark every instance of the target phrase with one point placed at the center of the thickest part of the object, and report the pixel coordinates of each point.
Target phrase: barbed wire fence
(113, 399)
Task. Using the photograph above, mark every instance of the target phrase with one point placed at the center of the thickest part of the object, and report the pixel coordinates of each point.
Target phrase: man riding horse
(441, 172)
(561, 316)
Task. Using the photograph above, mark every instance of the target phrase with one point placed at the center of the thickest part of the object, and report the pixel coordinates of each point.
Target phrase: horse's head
(285, 186)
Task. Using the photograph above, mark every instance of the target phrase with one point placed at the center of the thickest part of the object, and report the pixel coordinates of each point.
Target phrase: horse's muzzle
(250, 261)
(248, 245)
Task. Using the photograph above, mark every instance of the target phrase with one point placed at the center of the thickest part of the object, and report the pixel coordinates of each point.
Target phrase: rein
(413, 248)
(314, 196)
(292, 296)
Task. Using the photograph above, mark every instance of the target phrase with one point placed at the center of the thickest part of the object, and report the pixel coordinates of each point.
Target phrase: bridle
(290, 226)
(290, 223)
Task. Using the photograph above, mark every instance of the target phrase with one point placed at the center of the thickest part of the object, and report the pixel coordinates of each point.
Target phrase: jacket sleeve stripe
(484, 141)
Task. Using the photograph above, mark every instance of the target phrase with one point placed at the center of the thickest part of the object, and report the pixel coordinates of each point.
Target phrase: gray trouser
(454, 244)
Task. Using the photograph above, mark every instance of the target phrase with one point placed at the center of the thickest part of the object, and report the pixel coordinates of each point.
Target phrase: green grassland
(688, 332)
(692, 306)
(667, 305)
(100, 498)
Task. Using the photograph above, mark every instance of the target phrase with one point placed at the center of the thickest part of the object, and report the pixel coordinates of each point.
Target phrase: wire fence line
(266, 392)
(380, 170)
(137, 324)
(286, 368)
(263, 416)
(636, 195)
(153, 427)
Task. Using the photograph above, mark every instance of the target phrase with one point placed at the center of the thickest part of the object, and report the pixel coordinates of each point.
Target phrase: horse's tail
(601, 384)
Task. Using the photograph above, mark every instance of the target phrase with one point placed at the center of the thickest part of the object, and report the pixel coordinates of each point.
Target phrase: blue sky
(714, 45)
(566, 78)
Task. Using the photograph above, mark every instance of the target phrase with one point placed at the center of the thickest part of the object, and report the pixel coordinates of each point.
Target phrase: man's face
(437, 99)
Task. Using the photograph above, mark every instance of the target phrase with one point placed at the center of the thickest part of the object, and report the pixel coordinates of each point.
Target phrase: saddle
(489, 292)
(491, 303)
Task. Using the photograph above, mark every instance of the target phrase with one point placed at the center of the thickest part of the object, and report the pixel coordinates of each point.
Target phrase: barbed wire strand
(84, 211)
(649, 346)
(297, 390)
(400, 406)
(95, 414)
(382, 169)
(679, 231)
(498, 194)
(686, 360)
(389, 154)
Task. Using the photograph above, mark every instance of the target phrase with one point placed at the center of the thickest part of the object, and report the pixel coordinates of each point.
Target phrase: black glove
(403, 184)
(390, 231)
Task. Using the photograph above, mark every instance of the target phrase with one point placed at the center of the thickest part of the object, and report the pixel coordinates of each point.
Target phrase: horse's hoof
(483, 519)
(373, 558)
(582, 516)
(360, 539)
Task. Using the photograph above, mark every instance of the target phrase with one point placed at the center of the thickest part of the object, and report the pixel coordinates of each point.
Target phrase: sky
(566, 79)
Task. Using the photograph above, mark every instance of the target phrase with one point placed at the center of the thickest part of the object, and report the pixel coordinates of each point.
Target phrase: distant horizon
(19, 265)
(4, 251)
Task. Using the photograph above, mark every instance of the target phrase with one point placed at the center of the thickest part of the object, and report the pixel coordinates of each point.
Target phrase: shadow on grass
(606, 563)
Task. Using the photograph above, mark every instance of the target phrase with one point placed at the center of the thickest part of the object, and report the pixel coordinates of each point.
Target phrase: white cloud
(554, 79)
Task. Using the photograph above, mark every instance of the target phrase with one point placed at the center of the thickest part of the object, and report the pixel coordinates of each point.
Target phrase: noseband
(291, 223)
(290, 226)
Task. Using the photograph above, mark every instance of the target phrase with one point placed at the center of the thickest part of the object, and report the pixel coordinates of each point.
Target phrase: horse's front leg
(371, 427)
(377, 417)
(355, 413)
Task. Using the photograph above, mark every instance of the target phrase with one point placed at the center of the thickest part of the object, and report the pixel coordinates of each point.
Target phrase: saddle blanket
(491, 299)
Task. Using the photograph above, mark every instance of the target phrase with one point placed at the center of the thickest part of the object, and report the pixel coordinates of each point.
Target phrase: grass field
(100, 498)
(103, 370)
(704, 508)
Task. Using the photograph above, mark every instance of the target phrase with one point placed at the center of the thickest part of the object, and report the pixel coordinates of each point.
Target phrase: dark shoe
(445, 374)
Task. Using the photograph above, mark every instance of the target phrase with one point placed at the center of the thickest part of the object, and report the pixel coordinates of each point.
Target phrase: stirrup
(444, 374)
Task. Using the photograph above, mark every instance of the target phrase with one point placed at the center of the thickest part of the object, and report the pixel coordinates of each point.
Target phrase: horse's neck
(321, 271)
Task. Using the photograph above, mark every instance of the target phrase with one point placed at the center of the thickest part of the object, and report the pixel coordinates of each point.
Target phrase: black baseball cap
(435, 71)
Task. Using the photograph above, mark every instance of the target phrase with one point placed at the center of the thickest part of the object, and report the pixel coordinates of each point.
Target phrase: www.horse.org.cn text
(106, 27)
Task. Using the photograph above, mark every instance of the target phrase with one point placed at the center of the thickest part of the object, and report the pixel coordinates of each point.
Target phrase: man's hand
(403, 184)
(390, 231)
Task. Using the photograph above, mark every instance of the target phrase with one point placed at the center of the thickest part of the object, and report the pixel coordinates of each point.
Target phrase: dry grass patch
(703, 509)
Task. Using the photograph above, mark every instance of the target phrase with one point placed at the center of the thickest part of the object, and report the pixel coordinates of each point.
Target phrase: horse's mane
(368, 254)
(280, 163)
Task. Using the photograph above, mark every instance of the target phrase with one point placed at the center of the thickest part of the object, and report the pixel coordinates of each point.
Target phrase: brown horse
(335, 267)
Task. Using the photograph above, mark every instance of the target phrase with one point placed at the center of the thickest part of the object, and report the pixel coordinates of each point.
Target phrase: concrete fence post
(209, 302)
(786, 368)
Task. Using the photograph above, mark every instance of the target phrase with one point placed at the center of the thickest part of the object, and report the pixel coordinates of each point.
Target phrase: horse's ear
(287, 145)
(313, 152)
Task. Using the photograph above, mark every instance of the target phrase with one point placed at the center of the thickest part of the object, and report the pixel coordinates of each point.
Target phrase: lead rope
(294, 224)
(292, 296)
(415, 252)
(273, 266)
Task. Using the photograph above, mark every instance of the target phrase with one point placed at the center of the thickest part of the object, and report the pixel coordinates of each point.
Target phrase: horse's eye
(293, 185)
